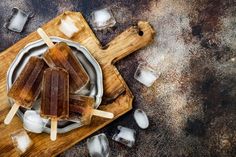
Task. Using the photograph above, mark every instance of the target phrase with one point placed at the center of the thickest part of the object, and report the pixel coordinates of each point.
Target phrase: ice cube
(21, 141)
(98, 146)
(146, 75)
(68, 27)
(125, 136)
(141, 118)
(103, 19)
(33, 122)
(18, 20)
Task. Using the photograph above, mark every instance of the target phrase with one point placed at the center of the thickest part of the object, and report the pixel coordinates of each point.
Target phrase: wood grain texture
(115, 89)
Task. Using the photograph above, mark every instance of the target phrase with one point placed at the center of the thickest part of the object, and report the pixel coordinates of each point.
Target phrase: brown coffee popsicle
(26, 87)
(55, 97)
(81, 109)
(60, 55)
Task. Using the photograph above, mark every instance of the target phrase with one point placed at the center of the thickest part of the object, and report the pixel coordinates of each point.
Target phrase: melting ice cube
(98, 146)
(21, 140)
(68, 27)
(146, 75)
(125, 136)
(103, 19)
(33, 122)
(141, 118)
(18, 20)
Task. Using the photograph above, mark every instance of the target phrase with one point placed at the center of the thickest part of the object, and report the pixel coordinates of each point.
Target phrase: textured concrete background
(192, 107)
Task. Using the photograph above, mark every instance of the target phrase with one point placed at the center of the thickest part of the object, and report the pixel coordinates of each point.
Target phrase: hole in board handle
(140, 33)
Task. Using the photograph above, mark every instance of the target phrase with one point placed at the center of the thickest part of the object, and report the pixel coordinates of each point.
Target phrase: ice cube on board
(98, 146)
(21, 140)
(68, 27)
(33, 122)
(103, 19)
(125, 136)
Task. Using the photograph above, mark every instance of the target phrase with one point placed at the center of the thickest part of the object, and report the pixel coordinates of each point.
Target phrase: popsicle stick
(53, 134)
(103, 114)
(11, 113)
(45, 37)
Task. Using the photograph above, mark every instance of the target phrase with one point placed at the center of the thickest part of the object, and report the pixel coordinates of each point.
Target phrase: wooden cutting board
(117, 96)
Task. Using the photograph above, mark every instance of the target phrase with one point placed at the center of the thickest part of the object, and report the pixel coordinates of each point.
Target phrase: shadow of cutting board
(117, 96)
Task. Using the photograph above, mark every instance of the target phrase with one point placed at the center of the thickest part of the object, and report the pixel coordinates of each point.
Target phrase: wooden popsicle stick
(11, 113)
(45, 37)
(103, 114)
(53, 134)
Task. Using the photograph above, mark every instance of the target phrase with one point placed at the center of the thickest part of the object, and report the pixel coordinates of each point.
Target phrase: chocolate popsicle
(60, 55)
(26, 87)
(55, 97)
(82, 109)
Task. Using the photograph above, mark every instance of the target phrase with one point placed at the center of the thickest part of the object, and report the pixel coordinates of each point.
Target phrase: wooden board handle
(45, 37)
(11, 113)
(103, 114)
(135, 38)
(53, 133)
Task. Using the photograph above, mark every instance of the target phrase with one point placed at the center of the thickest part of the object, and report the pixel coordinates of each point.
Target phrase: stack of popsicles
(56, 76)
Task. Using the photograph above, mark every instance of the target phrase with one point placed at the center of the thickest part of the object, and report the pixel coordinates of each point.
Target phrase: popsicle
(81, 109)
(60, 55)
(26, 87)
(55, 97)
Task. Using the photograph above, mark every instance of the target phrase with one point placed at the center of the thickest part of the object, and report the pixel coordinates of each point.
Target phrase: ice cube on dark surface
(146, 75)
(141, 118)
(17, 20)
(125, 136)
(98, 146)
(102, 19)
(21, 140)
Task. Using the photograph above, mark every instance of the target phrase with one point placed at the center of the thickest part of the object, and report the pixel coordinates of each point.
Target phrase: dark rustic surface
(192, 107)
